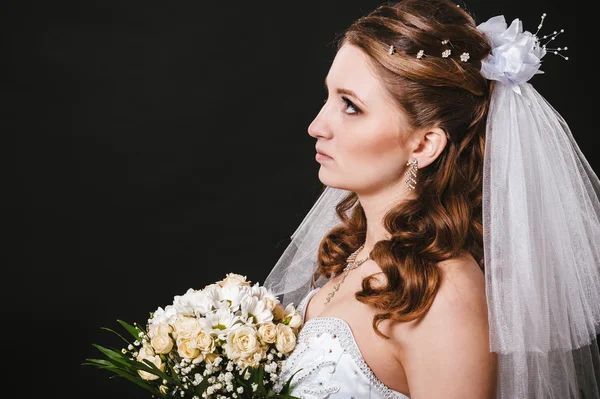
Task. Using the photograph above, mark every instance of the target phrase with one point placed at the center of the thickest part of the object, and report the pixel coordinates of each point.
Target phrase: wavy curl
(445, 219)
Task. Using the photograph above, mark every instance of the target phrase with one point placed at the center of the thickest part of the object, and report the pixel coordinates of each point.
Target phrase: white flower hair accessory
(516, 54)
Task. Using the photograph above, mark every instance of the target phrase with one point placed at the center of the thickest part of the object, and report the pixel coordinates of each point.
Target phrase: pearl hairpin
(446, 53)
(464, 57)
(420, 54)
(551, 37)
(392, 49)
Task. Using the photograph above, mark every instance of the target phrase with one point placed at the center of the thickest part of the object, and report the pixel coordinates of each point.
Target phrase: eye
(350, 105)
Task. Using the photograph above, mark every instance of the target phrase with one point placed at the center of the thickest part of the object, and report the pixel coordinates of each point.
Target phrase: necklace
(352, 264)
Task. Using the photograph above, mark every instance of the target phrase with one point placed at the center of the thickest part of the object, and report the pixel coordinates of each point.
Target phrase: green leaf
(156, 371)
(114, 355)
(131, 329)
(286, 387)
(200, 388)
(261, 384)
(141, 383)
(114, 332)
(132, 364)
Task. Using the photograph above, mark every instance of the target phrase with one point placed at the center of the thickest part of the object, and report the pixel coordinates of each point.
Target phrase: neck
(376, 205)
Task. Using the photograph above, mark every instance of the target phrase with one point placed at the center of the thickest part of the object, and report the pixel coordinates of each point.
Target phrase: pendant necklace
(352, 263)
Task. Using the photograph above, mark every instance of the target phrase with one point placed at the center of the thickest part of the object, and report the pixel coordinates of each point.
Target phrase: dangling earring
(412, 174)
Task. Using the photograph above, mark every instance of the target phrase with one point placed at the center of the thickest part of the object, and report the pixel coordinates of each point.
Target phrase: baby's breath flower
(240, 389)
(254, 387)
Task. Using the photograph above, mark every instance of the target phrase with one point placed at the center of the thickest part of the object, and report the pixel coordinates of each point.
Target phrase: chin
(330, 180)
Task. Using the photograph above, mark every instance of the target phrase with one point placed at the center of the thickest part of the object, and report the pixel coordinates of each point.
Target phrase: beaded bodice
(331, 362)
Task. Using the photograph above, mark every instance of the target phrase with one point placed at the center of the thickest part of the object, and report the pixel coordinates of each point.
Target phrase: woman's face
(360, 128)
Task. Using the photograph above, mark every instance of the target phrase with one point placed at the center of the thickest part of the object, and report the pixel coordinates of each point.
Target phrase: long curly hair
(445, 219)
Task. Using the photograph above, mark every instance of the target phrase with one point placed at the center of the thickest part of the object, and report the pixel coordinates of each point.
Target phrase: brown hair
(445, 219)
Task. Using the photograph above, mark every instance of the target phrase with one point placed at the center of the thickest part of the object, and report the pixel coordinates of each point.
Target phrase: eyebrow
(346, 91)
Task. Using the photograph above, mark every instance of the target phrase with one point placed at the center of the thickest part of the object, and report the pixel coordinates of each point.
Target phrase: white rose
(186, 327)
(286, 339)
(204, 342)
(295, 320)
(147, 353)
(233, 279)
(516, 54)
(268, 332)
(162, 343)
(242, 342)
(187, 349)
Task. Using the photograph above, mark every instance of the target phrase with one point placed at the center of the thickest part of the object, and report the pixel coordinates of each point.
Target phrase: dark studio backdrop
(159, 146)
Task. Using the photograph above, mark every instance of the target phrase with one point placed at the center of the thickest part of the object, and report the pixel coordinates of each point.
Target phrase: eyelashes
(348, 105)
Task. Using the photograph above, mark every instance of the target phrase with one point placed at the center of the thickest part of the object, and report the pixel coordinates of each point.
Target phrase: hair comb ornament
(516, 54)
(392, 49)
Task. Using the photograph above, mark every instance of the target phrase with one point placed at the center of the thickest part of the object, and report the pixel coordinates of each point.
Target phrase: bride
(388, 267)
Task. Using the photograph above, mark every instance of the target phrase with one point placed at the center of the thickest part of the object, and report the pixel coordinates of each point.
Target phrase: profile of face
(359, 128)
(366, 136)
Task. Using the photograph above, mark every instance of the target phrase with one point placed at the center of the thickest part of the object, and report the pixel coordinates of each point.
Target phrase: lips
(319, 151)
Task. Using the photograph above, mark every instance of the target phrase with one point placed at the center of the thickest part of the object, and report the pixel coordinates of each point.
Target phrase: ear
(429, 144)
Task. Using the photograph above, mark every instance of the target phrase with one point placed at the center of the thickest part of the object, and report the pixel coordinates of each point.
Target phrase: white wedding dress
(331, 362)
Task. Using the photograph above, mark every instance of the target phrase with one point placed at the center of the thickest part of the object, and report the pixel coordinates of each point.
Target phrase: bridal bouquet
(228, 340)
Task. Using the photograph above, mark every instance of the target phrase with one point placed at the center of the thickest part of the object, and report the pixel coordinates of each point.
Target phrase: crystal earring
(412, 174)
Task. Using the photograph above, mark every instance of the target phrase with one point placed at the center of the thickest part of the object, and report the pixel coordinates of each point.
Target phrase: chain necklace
(352, 263)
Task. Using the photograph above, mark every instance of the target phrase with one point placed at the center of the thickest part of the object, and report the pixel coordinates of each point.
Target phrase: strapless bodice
(331, 362)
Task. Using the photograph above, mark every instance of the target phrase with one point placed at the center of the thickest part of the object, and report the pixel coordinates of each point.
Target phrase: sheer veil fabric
(541, 218)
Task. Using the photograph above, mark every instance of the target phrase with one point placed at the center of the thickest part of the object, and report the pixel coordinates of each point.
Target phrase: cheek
(379, 150)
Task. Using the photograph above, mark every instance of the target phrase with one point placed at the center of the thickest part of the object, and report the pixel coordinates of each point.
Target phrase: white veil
(541, 222)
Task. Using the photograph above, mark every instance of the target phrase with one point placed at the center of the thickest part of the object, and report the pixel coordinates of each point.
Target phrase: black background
(160, 145)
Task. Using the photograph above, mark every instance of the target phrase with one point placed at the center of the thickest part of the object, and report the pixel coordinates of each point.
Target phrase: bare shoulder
(446, 353)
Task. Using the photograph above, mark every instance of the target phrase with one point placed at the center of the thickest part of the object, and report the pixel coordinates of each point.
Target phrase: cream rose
(204, 342)
(242, 342)
(159, 329)
(147, 353)
(295, 320)
(253, 360)
(210, 357)
(268, 332)
(187, 349)
(270, 303)
(162, 343)
(286, 339)
(233, 279)
(186, 327)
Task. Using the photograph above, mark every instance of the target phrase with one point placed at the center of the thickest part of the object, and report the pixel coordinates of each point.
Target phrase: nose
(319, 126)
